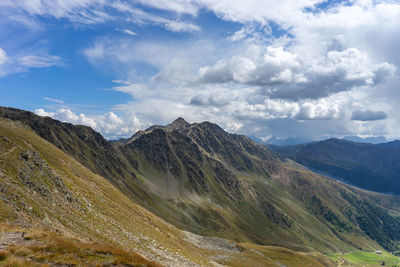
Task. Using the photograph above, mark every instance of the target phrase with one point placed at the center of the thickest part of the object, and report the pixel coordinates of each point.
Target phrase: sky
(307, 69)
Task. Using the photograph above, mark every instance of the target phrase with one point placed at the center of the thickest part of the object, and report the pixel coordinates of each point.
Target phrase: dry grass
(48, 248)
(3, 256)
(18, 262)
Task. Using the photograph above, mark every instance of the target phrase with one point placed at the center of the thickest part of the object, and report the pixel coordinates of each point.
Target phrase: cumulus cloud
(368, 115)
(218, 96)
(281, 109)
(284, 74)
(258, 66)
(322, 110)
(248, 11)
(109, 124)
(67, 115)
(43, 113)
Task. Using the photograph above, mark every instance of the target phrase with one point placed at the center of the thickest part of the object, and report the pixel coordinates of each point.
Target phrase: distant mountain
(373, 167)
(292, 141)
(204, 180)
(289, 141)
(370, 140)
(394, 145)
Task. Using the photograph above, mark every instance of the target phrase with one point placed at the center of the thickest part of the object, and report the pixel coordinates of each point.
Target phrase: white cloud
(322, 110)
(109, 124)
(139, 16)
(180, 26)
(58, 101)
(95, 52)
(179, 6)
(36, 61)
(43, 113)
(136, 90)
(77, 11)
(281, 109)
(356, 66)
(3, 56)
(178, 71)
(123, 55)
(19, 62)
(261, 11)
(242, 33)
(90, 12)
(271, 109)
(259, 65)
(285, 74)
(127, 31)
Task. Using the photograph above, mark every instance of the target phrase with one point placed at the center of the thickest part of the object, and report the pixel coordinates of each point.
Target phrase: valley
(374, 167)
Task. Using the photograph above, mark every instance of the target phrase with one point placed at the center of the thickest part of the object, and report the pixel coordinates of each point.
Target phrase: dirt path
(341, 262)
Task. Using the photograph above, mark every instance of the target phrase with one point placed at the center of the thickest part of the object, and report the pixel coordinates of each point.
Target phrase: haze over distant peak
(370, 140)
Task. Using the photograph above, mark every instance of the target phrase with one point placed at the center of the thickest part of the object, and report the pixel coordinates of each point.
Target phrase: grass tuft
(3, 255)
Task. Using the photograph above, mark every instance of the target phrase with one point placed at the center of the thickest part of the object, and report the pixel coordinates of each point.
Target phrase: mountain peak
(179, 123)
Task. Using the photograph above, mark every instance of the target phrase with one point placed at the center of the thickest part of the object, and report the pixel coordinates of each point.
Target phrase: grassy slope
(367, 259)
(43, 188)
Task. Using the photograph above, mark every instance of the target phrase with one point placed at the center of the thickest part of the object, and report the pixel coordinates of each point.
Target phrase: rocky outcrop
(37, 175)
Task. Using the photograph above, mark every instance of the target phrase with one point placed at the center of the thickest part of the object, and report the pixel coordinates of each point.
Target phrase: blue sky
(308, 69)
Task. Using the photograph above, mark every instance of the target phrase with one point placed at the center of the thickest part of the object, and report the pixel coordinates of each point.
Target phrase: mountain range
(184, 194)
(374, 167)
(291, 141)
